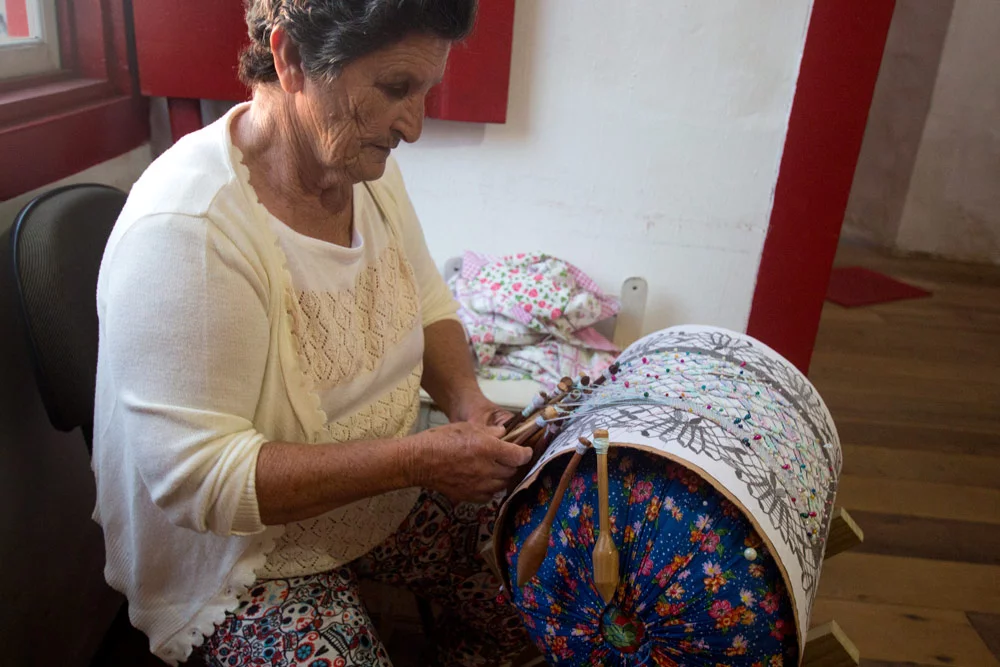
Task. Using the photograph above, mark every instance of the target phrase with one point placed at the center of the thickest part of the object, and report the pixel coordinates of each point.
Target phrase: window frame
(35, 55)
(86, 112)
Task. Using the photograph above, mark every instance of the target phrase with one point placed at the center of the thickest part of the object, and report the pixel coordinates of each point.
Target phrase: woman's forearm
(295, 482)
(449, 376)
(463, 461)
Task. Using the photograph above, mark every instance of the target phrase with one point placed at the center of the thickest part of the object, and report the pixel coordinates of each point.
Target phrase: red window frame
(88, 112)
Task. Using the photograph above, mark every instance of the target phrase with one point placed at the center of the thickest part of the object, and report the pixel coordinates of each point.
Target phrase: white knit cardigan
(175, 449)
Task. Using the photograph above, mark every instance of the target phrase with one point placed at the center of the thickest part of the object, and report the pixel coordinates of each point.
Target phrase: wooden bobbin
(605, 552)
(563, 389)
(535, 548)
(529, 428)
(520, 417)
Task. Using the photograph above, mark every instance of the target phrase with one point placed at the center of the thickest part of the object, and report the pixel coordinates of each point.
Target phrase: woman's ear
(287, 61)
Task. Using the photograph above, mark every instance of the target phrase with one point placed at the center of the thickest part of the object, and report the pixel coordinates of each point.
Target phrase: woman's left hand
(481, 411)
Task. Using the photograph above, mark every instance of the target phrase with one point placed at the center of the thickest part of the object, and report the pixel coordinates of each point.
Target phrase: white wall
(644, 138)
(897, 119)
(120, 172)
(953, 206)
(927, 181)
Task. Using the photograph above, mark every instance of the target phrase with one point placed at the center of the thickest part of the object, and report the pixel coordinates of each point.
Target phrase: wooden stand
(827, 645)
(844, 534)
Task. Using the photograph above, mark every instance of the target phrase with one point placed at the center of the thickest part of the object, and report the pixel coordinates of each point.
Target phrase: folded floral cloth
(530, 316)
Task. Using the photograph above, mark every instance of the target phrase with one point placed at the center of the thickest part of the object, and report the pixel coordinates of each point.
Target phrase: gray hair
(332, 33)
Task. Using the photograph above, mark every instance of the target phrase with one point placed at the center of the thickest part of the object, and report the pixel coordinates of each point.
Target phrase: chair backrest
(57, 242)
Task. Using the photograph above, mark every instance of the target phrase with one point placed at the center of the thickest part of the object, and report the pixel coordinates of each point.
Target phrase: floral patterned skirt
(320, 620)
(698, 587)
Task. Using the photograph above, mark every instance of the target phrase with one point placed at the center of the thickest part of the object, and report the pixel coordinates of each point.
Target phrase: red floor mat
(854, 286)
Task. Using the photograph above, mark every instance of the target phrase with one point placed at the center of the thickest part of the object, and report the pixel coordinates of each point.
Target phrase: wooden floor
(914, 388)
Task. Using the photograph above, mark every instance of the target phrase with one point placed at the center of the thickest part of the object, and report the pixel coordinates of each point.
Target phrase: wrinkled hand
(465, 462)
(479, 410)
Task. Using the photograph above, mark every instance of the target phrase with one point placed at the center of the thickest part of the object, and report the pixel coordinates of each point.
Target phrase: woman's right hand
(465, 462)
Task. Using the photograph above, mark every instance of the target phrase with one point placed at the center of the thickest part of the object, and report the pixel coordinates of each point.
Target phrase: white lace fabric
(343, 334)
(356, 320)
(338, 537)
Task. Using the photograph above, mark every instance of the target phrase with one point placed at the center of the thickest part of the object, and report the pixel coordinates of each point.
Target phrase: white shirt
(361, 342)
(201, 362)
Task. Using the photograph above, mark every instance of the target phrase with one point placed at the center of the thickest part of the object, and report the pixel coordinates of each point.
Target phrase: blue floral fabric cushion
(698, 587)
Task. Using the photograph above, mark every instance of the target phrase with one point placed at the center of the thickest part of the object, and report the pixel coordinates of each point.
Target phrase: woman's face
(352, 122)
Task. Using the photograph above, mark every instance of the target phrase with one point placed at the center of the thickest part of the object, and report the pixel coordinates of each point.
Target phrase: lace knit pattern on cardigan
(340, 336)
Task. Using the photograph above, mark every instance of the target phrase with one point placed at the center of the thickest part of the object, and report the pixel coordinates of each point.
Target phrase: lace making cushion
(698, 586)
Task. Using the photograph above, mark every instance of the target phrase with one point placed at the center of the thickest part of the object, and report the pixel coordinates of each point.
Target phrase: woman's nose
(411, 122)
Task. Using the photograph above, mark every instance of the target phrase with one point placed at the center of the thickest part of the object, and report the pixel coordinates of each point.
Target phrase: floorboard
(914, 387)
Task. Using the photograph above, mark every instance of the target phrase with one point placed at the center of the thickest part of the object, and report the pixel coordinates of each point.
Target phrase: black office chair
(57, 243)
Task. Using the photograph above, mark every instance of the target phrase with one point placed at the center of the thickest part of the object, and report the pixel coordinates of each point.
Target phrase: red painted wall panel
(189, 48)
(17, 18)
(840, 65)
(477, 82)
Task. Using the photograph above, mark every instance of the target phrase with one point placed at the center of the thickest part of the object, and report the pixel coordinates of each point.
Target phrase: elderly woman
(269, 311)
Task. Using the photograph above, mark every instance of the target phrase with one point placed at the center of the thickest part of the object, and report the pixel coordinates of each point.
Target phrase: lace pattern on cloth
(343, 334)
(391, 415)
(775, 450)
(328, 541)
